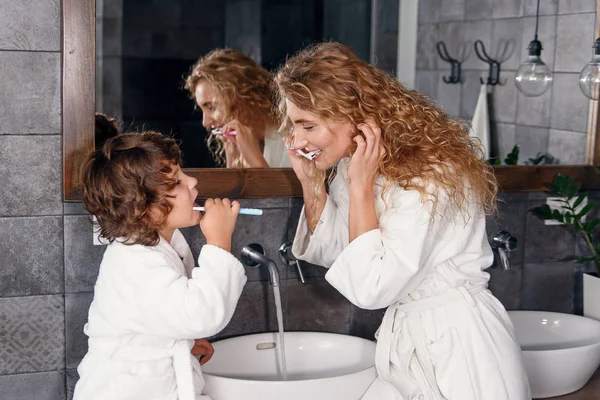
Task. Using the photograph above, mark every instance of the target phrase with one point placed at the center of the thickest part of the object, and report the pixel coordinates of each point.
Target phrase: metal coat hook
(494, 71)
(455, 71)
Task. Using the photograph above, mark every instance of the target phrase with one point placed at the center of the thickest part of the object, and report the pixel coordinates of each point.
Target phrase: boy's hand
(218, 221)
(204, 349)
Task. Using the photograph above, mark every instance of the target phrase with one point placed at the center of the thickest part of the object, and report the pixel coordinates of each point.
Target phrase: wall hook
(455, 70)
(494, 65)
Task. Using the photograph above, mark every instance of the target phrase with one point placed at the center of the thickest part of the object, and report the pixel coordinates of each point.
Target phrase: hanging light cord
(537, 17)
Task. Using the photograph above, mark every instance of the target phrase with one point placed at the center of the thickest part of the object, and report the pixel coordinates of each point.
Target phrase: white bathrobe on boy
(150, 303)
(444, 336)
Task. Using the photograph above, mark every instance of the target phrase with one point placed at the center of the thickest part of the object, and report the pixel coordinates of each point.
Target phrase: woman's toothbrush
(219, 131)
(310, 155)
(243, 211)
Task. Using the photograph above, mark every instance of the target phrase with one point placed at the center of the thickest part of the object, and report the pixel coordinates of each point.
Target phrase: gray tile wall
(48, 264)
(554, 123)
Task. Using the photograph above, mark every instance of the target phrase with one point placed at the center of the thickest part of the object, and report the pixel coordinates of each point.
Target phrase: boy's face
(184, 195)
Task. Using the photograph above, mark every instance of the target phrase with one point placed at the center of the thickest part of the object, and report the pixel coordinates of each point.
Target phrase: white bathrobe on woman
(150, 303)
(444, 335)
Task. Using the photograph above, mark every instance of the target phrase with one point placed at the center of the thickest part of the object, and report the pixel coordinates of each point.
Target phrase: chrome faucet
(253, 255)
(504, 243)
(285, 253)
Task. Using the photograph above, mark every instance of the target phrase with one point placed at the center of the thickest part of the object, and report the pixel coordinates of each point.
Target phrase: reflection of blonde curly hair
(423, 146)
(243, 90)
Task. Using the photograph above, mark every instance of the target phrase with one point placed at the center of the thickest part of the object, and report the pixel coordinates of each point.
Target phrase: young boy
(150, 302)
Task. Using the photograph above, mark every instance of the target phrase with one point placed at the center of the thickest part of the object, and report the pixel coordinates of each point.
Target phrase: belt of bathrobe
(179, 352)
(392, 321)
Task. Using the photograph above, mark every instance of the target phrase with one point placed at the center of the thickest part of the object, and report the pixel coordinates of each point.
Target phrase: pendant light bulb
(589, 78)
(533, 77)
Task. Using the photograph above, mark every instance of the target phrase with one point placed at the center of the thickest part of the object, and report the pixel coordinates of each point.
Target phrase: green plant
(572, 214)
(512, 158)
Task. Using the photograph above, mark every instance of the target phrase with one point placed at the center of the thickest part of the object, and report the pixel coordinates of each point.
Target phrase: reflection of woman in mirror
(401, 226)
(236, 99)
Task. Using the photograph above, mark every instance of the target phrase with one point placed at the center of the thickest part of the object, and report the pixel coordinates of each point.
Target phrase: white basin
(320, 365)
(561, 351)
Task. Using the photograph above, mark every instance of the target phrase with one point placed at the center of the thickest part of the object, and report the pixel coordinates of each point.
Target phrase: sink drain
(265, 346)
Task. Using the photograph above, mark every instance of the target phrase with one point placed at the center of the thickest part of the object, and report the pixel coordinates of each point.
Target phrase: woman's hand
(300, 165)
(218, 222)
(362, 173)
(232, 153)
(364, 164)
(248, 144)
(204, 349)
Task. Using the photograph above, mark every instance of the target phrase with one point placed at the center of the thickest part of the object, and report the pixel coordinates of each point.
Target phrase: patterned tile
(30, 25)
(32, 256)
(32, 334)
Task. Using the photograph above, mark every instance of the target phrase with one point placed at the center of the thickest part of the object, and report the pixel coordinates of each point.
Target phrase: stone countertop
(591, 391)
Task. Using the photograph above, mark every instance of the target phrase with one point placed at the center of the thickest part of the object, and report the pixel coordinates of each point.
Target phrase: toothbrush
(310, 155)
(219, 131)
(243, 211)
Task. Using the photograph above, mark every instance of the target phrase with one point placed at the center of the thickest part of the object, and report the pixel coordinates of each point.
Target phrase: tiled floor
(591, 391)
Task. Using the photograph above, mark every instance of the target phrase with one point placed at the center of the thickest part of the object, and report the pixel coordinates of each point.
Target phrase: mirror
(79, 70)
(146, 49)
(552, 128)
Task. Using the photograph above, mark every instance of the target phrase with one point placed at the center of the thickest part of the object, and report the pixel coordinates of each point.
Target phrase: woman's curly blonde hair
(423, 146)
(244, 91)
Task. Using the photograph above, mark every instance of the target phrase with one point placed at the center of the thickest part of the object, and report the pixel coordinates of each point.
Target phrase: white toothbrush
(243, 211)
(309, 156)
(219, 131)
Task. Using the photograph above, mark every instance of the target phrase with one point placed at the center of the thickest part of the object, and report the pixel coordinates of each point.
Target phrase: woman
(236, 99)
(401, 225)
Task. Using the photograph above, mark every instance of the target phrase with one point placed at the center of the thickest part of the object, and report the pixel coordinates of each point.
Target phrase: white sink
(561, 351)
(320, 365)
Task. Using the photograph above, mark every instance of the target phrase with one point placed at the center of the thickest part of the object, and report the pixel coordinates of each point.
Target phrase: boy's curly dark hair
(126, 185)
(106, 128)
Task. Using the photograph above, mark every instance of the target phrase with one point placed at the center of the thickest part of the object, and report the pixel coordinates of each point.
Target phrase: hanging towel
(481, 123)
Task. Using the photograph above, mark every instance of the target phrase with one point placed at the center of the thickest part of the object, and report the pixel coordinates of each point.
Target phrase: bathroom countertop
(591, 391)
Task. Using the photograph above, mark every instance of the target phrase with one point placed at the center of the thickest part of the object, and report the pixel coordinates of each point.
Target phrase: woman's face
(333, 138)
(206, 94)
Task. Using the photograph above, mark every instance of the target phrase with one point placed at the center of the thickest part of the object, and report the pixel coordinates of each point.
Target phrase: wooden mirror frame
(78, 107)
